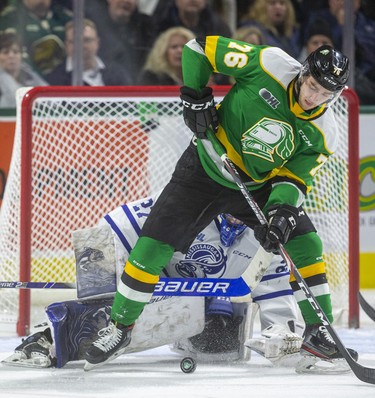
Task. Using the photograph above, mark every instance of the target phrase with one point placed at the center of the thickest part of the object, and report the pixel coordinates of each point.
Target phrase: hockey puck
(188, 365)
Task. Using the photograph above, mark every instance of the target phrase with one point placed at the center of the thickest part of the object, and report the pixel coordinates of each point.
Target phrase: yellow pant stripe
(140, 275)
(310, 270)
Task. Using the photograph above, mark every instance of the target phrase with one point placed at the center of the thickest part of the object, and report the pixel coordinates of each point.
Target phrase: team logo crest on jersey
(203, 260)
(267, 137)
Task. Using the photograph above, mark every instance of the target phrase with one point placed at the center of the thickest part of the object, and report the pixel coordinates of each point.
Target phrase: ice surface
(156, 373)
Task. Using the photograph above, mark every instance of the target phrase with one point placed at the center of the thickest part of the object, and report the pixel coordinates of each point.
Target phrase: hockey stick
(210, 287)
(363, 373)
(37, 285)
(369, 310)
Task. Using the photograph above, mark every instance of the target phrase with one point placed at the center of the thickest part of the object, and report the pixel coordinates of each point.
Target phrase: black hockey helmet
(329, 67)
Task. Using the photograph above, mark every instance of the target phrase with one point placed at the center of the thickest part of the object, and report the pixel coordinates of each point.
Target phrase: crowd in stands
(139, 42)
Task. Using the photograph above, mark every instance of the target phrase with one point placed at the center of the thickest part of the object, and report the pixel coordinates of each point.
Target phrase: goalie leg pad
(164, 320)
(75, 326)
(94, 250)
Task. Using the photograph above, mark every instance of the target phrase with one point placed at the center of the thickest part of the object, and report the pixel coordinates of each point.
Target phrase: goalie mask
(230, 229)
(329, 67)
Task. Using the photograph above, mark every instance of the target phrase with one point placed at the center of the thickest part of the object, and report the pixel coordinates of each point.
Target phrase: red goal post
(79, 152)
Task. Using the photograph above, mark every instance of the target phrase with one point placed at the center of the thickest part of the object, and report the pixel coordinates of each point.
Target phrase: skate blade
(90, 366)
(34, 362)
(314, 365)
(286, 360)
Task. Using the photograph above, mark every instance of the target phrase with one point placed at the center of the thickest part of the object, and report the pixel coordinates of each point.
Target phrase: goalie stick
(210, 287)
(369, 310)
(363, 373)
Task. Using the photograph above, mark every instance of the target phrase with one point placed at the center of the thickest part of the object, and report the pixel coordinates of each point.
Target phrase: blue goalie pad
(220, 306)
(75, 326)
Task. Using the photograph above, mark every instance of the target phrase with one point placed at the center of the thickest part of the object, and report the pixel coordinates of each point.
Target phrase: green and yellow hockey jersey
(262, 127)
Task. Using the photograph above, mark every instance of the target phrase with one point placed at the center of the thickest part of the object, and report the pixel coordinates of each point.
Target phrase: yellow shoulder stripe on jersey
(210, 50)
(310, 270)
(140, 275)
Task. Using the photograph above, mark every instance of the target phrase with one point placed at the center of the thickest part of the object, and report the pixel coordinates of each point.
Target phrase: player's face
(174, 51)
(312, 94)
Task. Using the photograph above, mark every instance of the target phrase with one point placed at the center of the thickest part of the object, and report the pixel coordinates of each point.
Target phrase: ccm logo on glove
(199, 110)
(198, 107)
(282, 221)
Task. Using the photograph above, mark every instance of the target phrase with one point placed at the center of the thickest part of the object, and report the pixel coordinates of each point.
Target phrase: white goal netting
(80, 154)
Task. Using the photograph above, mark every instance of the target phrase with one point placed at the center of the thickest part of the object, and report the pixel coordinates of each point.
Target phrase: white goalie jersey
(207, 257)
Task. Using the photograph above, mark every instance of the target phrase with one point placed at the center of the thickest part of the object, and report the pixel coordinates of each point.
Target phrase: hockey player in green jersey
(277, 127)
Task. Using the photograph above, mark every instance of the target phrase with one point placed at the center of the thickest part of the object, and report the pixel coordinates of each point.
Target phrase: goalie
(209, 329)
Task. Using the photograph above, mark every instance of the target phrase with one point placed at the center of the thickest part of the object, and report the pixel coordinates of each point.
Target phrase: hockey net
(80, 152)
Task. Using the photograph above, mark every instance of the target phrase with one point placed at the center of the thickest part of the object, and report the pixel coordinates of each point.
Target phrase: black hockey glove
(199, 110)
(282, 221)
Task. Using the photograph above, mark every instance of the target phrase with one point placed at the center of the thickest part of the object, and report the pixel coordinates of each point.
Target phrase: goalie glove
(282, 221)
(199, 111)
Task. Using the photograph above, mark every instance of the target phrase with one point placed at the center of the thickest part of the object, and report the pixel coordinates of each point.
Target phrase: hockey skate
(111, 343)
(33, 352)
(320, 354)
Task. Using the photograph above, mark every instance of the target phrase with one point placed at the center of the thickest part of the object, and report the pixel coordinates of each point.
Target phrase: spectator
(304, 8)
(195, 15)
(249, 34)
(40, 25)
(318, 34)
(334, 16)
(13, 72)
(163, 65)
(277, 21)
(364, 30)
(95, 71)
(126, 34)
